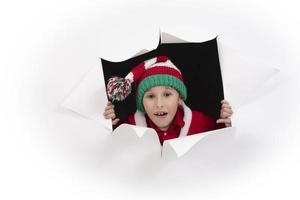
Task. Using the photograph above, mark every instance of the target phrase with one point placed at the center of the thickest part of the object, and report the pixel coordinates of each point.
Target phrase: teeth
(160, 113)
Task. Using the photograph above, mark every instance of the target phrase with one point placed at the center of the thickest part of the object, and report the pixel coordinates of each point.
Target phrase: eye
(149, 96)
(167, 94)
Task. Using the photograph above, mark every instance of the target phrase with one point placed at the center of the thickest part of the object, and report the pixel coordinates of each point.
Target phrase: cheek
(173, 105)
(147, 104)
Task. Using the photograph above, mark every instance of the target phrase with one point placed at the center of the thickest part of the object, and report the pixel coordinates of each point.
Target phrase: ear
(180, 102)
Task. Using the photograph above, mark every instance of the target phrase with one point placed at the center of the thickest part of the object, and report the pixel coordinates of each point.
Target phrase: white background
(50, 153)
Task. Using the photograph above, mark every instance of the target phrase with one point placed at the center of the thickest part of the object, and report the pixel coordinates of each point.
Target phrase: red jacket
(186, 122)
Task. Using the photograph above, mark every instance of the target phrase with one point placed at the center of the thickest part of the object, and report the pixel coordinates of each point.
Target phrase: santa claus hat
(156, 71)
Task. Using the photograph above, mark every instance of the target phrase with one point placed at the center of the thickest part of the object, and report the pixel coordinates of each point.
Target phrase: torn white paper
(241, 79)
(89, 94)
(88, 98)
(242, 76)
(130, 135)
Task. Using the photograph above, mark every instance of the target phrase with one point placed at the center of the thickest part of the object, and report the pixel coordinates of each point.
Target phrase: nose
(159, 102)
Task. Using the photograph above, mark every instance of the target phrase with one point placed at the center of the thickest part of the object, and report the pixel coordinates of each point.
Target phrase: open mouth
(160, 114)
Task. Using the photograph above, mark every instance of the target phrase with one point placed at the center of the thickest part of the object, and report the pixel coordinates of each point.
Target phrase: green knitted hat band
(159, 80)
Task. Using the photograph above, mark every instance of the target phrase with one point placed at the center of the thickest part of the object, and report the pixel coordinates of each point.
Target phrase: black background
(199, 65)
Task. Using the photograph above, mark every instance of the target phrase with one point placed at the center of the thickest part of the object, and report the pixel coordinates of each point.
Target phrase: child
(160, 95)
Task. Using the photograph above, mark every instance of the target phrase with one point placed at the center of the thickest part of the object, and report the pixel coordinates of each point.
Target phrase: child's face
(161, 103)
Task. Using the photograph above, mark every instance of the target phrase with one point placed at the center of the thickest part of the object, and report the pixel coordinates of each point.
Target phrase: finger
(227, 120)
(224, 115)
(109, 107)
(109, 103)
(107, 116)
(228, 124)
(108, 112)
(110, 116)
(227, 110)
(115, 121)
(225, 105)
(224, 101)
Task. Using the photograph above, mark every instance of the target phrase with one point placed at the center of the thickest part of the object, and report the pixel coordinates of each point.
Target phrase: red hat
(150, 73)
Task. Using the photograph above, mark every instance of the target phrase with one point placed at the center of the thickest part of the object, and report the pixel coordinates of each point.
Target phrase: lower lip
(163, 116)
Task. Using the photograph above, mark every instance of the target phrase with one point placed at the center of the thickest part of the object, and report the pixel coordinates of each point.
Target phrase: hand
(225, 113)
(109, 113)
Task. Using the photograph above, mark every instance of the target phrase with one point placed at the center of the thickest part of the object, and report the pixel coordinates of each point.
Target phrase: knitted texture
(161, 69)
(157, 71)
(118, 88)
(159, 80)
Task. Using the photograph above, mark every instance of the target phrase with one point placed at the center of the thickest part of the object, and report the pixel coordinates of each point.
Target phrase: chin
(162, 126)
(161, 123)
